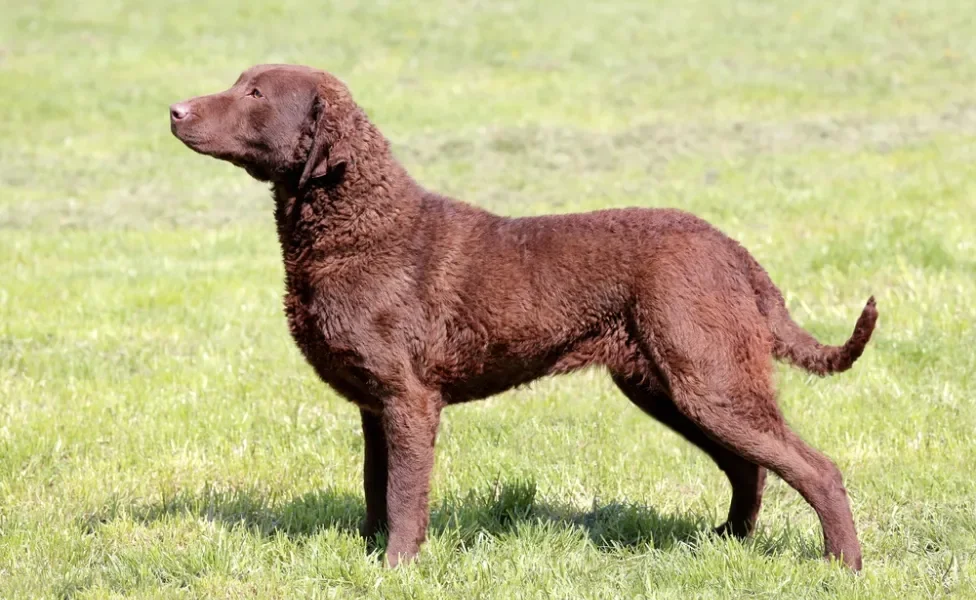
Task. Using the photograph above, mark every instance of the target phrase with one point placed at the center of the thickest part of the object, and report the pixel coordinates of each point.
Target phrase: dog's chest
(323, 323)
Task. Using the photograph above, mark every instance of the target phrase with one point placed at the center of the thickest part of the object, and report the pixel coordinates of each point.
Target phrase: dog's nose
(179, 111)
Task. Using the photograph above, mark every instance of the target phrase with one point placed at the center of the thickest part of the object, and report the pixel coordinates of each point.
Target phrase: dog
(405, 301)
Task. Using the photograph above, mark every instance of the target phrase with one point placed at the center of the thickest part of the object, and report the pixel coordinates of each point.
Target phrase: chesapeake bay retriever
(405, 301)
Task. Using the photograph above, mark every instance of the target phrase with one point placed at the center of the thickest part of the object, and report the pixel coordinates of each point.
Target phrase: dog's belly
(491, 377)
(500, 367)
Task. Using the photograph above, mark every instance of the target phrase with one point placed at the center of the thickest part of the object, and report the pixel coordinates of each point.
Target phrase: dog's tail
(796, 345)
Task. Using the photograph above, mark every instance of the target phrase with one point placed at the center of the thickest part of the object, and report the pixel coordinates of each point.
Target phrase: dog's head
(279, 122)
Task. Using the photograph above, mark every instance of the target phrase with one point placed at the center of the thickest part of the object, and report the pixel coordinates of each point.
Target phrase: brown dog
(405, 301)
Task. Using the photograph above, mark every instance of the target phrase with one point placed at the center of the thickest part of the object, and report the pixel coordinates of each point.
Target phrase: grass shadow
(498, 511)
(259, 511)
(509, 505)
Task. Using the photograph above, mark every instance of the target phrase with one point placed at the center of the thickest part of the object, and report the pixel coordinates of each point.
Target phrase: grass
(160, 436)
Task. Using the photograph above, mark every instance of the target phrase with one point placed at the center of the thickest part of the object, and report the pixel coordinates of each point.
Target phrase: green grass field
(161, 437)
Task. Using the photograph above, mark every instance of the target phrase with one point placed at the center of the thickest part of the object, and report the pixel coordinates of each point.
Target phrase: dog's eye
(256, 93)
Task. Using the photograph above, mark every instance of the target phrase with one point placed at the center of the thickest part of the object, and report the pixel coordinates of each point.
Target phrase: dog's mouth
(201, 144)
(194, 142)
(188, 131)
(204, 145)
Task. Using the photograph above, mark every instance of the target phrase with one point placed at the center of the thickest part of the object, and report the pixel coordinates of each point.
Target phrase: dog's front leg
(374, 474)
(410, 425)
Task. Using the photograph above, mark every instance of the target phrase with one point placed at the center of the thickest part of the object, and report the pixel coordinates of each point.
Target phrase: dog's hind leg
(773, 445)
(746, 478)
(719, 378)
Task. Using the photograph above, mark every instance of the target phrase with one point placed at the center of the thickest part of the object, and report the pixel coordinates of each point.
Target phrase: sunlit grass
(161, 437)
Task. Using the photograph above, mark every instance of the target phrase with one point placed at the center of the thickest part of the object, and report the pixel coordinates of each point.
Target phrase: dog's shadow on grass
(499, 511)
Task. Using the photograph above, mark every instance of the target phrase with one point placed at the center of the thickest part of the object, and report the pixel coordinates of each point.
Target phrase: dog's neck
(368, 203)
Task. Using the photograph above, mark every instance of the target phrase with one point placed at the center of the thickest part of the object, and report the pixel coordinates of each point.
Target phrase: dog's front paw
(737, 530)
(371, 528)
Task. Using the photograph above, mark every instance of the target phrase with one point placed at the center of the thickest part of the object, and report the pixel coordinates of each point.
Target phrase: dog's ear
(331, 148)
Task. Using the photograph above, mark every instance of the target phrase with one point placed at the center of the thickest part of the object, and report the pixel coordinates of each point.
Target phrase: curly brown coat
(405, 301)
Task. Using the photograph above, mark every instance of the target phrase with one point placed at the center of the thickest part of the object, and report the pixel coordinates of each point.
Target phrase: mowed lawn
(161, 437)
